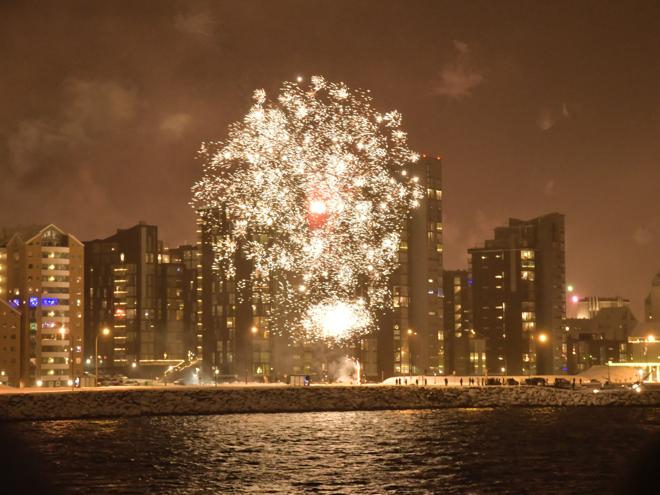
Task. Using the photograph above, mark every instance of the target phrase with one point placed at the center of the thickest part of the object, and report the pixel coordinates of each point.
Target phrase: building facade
(10, 345)
(457, 322)
(518, 287)
(411, 337)
(179, 301)
(588, 307)
(44, 281)
(652, 303)
(600, 339)
(146, 295)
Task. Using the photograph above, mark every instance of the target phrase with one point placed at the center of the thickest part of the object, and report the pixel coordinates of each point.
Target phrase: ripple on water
(481, 451)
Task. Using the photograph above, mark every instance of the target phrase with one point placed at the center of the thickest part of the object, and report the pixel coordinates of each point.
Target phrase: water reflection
(448, 451)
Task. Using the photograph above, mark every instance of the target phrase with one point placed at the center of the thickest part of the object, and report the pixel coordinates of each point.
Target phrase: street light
(504, 368)
(410, 351)
(105, 332)
(254, 331)
(63, 334)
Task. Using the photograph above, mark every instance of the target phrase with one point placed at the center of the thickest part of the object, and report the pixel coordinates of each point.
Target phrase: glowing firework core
(312, 190)
(337, 320)
(317, 207)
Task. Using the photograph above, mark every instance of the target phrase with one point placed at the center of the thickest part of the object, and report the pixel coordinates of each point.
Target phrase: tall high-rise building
(411, 337)
(121, 283)
(236, 336)
(519, 296)
(652, 303)
(145, 294)
(179, 300)
(464, 350)
(43, 279)
(235, 320)
(588, 307)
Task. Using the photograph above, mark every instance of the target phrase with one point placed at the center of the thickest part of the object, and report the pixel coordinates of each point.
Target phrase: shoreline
(208, 400)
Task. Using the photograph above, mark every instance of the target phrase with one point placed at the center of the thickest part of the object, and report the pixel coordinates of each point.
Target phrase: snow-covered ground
(148, 401)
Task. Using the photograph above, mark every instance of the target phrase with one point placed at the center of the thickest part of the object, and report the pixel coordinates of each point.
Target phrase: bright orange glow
(543, 338)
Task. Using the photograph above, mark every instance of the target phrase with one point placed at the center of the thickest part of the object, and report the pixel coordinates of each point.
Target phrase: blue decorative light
(33, 302)
(16, 302)
(50, 301)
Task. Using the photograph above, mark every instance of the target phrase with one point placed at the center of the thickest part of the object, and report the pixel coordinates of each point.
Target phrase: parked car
(562, 383)
(512, 381)
(493, 381)
(537, 380)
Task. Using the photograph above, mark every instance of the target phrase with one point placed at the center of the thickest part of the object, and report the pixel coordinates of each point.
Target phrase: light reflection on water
(547, 450)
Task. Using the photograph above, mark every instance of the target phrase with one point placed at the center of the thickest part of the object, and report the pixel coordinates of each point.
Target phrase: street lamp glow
(104, 332)
(650, 338)
(575, 299)
(569, 288)
(254, 330)
(543, 338)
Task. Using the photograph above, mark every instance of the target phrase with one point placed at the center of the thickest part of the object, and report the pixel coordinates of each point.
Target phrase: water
(480, 451)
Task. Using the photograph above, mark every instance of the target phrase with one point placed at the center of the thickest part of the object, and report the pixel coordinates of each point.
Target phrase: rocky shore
(264, 399)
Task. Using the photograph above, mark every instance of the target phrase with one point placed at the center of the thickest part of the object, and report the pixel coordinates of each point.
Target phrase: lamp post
(70, 350)
(411, 333)
(254, 331)
(104, 332)
(543, 339)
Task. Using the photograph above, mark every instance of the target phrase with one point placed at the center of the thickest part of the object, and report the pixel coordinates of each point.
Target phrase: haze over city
(533, 107)
(329, 246)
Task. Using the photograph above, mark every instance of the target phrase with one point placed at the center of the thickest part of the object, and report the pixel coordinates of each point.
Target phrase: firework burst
(315, 190)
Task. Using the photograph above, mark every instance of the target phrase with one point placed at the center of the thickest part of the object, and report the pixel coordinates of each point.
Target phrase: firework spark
(315, 188)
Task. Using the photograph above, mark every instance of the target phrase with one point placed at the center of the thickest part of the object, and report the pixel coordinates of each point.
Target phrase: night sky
(534, 106)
